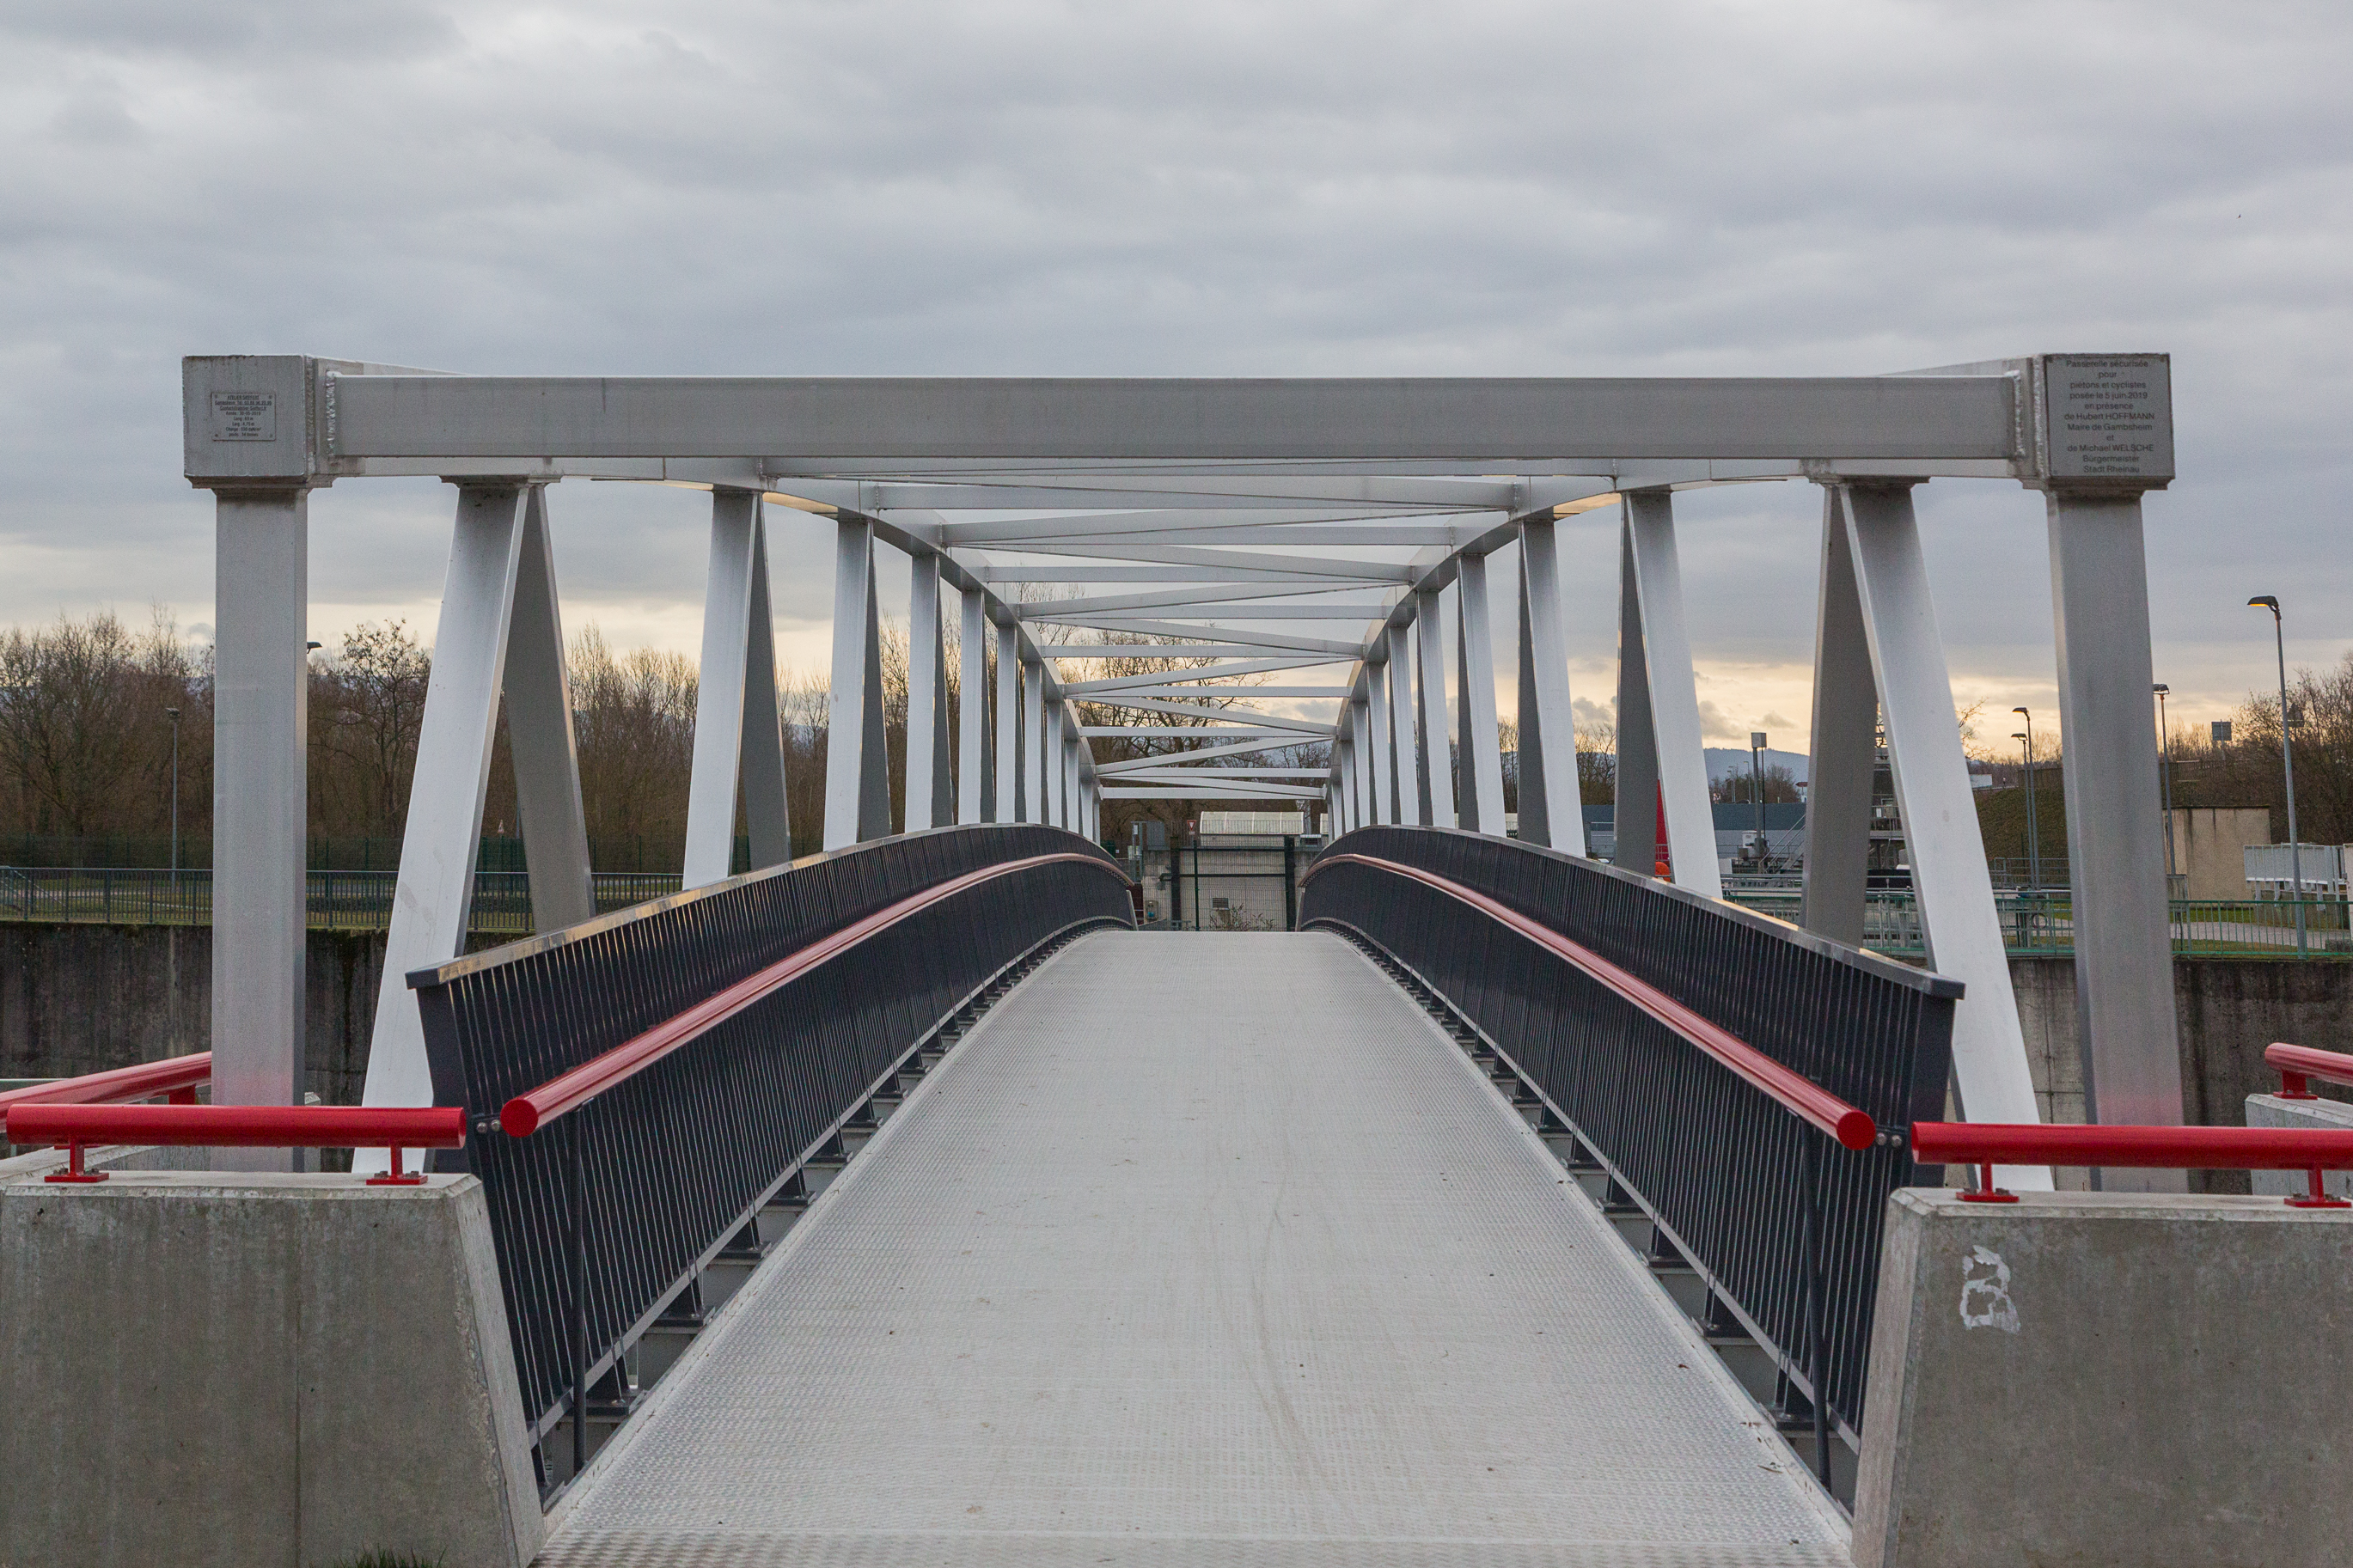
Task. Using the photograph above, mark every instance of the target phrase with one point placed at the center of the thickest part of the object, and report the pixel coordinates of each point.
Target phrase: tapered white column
(1360, 738)
(1635, 845)
(1010, 772)
(1846, 723)
(1034, 804)
(973, 795)
(1674, 693)
(1430, 678)
(857, 784)
(1344, 746)
(1552, 808)
(1949, 879)
(2115, 862)
(1408, 806)
(538, 706)
(1380, 795)
(1056, 773)
(1482, 755)
(444, 831)
(260, 740)
(930, 793)
(738, 732)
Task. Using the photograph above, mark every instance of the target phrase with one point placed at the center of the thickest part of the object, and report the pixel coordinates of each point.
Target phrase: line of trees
(87, 729)
(86, 740)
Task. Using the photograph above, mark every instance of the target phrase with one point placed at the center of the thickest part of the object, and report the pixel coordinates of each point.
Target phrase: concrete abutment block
(2109, 1379)
(207, 1368)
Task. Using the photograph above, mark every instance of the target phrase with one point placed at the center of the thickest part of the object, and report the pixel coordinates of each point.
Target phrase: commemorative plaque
(2108, 418)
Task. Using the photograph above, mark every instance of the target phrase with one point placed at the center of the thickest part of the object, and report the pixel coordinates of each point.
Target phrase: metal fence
(339, 900)
(1720, 1166)
(677, 1159)
(2042, 922)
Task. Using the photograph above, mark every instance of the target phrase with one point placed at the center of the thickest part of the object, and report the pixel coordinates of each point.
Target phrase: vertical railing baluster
(1818, 1340)
(576, 1267)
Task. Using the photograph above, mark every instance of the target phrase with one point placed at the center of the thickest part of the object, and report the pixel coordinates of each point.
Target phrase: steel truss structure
(1337, 533)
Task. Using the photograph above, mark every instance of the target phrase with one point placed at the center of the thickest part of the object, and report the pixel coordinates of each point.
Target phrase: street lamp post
(2287, 764)
(2033, 821)
(2164, 773)
(1757, 788)
(174, 714)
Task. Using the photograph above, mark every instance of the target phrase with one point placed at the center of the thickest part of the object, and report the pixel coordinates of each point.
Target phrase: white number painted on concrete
(1985, 1292)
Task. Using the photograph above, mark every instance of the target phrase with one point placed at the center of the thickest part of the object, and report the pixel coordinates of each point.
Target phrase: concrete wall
(2229, 1009)
(2109, 1380)
(2210, 848)
(239, 1369)
(83, 998)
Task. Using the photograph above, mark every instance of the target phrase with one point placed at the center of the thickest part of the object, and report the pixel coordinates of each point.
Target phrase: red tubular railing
(179, 1077)
(76, 1126)
(1986, 1144)
(2299, 1065)
(1796, 1093)
(526, 1113)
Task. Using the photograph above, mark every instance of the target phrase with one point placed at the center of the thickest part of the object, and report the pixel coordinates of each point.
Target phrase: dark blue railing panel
(1721, 1166)
(675, 1158)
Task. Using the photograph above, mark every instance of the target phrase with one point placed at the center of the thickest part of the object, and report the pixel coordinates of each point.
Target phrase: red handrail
(239, 1127)
(2299, 1065)
(1795, 1092)
(527, 1113)
(1988, 1143)
(178, 1076)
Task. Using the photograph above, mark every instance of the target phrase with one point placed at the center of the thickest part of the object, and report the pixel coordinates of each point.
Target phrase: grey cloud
(1029, 187)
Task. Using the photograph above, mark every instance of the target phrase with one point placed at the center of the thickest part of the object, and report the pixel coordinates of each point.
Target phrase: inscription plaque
(2108, 417)
(245, 417)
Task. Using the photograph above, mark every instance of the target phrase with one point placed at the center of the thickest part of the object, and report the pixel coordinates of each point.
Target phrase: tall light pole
(174, 714)
(2164, 773)
(1757, 788)
(2287, 764)
(2033, 822)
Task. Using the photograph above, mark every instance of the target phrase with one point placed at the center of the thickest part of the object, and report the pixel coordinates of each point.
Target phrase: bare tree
(633, 721)
(367, 708)
(84, 729)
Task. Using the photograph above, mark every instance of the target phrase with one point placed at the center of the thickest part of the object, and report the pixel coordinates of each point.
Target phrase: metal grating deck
(1202, 1249)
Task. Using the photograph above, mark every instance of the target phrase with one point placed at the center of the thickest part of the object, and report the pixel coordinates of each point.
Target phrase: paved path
(1203, 1249)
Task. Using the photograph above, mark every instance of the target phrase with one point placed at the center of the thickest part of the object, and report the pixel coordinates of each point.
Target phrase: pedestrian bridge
(1201, 1248)
(904, 1204)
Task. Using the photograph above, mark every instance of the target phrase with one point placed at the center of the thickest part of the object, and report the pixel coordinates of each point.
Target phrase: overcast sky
(1299, 188)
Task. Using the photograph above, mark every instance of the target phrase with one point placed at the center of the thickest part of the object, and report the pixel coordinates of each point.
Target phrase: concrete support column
(856, 786)
(1380, 789)
(1405, 804)
(1846, 720)
(260, 745)
(1552, 809)
(974, 799)
(453, 768)
(2124, 954)
(930, 792)
(1010, 771)
(1474, 660)
(1430, 676)
(738, 732)
(1673, 692)
(1954, 890)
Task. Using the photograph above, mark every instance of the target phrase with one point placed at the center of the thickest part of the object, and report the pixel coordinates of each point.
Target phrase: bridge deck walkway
(1202, 1248)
